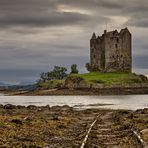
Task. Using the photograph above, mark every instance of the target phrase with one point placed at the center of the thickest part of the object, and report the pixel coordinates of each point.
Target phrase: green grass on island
(112, 78)
(107, 79)
(51, 84)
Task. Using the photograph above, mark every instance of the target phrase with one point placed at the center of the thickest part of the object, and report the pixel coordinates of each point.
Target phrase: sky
(35, 35)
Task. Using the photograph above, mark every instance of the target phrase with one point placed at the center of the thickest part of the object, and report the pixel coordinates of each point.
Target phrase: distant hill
(4, 84)
(26, 86)
(23, 87)
(26, 83)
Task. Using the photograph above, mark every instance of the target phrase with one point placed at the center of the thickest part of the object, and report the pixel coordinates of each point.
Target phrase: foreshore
(81, 91)
(67, 127)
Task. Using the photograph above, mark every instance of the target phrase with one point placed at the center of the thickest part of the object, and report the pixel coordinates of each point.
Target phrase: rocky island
(109, 71)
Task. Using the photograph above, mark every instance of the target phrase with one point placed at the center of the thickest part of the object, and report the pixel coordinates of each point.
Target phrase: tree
(88, 67)
(58, 73)
(43, 77)
(74, 69)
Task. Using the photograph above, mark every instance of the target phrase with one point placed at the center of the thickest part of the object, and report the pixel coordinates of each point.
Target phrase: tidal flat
(59, 127)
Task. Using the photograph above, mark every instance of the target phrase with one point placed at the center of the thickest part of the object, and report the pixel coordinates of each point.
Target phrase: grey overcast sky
(35, 35)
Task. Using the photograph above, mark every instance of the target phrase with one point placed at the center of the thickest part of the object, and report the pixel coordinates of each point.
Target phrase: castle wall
(102, 54)
(111, 50)
(94, 54)
(126, 51)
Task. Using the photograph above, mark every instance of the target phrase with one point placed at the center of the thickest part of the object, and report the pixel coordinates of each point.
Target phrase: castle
(111, 52)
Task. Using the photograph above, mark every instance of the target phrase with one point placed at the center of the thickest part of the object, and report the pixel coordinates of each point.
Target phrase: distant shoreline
(81, 91)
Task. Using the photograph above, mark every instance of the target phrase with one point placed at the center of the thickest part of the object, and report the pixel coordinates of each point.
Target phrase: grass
(51, 84)
(116, 78)
(110, 78)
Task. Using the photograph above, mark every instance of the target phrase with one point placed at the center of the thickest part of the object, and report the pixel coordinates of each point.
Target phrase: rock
(73, 82)
(145, 111)
(144, 134)
(65, 108)
(17, 121)
(130, 116)
(122, 112)
(24, 138)
(9, 106)
(29, 118)
(31, 107)
(47, 106)
(138, 111)
(56, 108)
(125, 126)
(53, 117)
(20, 107)
(39, 109)
(1, 106)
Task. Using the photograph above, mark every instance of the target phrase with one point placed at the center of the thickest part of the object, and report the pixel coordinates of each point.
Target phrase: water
(131, 102)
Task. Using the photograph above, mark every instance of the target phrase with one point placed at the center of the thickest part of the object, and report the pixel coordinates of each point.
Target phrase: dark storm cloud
(94, 3)
(44, 20)
(35, 35)
(35, 17)
(141, 22)
(45, 12)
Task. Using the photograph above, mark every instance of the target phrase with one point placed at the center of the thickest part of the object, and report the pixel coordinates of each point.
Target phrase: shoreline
(65, 126)
(84, 91)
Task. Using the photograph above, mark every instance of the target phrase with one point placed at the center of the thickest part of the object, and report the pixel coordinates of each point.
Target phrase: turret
(93, 36)
(93, 41)
(93, 50)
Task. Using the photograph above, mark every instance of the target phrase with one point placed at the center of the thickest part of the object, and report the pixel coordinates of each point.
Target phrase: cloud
(140, 61)
(35, 35)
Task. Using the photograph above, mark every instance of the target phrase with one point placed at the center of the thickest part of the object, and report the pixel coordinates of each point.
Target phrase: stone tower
(111, 52)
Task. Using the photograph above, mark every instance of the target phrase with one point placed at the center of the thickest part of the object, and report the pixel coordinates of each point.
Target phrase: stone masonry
(111, 52)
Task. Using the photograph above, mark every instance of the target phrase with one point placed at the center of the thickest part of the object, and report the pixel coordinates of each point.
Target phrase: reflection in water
(132, 102)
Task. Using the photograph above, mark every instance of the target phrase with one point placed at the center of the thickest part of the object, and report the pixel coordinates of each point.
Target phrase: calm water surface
(132, 102)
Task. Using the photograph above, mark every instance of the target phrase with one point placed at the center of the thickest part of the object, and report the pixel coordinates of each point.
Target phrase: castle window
(116, 45)
(117, 40)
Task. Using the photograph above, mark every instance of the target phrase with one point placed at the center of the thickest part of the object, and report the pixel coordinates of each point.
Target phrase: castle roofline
(112, 32)
(124, 30)
(93, 36)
